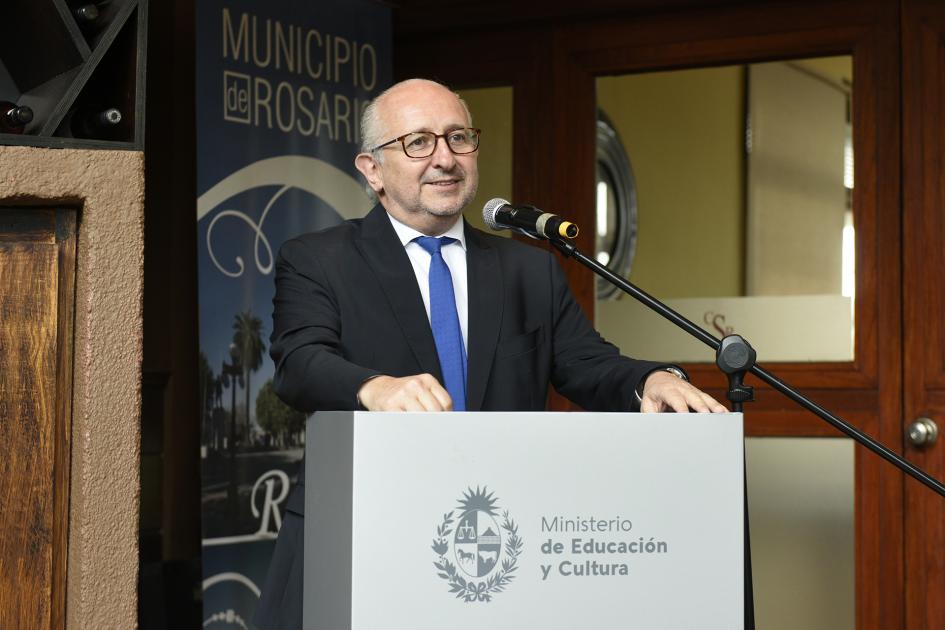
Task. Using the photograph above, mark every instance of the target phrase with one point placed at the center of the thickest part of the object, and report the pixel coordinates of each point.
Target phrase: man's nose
(442, 157)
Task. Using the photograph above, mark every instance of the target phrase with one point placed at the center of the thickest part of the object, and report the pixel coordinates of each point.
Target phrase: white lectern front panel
(524, 520)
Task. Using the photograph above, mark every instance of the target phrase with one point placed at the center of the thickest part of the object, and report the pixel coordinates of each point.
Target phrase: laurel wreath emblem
(477, 590)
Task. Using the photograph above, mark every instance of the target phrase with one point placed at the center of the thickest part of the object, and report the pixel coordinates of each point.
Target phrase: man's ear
(368, 166)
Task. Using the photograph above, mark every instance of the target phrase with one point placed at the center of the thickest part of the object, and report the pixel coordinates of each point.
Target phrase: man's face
(428, 193)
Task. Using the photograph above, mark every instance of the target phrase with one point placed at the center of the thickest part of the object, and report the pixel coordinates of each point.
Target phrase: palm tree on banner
(247, 336)
(219, 428)
(206, 379)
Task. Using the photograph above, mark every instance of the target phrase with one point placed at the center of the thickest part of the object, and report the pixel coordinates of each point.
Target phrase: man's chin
(446, 208)
(445, 212)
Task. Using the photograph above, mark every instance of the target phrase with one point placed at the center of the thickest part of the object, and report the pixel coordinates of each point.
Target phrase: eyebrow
(448, 128)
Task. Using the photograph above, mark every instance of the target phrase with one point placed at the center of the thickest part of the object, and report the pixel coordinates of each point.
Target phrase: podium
(523, 520)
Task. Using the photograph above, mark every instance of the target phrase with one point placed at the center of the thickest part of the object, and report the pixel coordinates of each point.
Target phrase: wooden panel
(66, 237)
(426, 16)
(17, 227)
(36, 276)
(923, 98)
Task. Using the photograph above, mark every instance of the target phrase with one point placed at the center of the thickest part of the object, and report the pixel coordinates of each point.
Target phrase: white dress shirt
(454, 254)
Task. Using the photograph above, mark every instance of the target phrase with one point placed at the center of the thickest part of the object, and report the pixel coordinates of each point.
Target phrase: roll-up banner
(280, 90)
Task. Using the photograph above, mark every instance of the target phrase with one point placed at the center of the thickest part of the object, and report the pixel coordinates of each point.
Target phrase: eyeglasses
(421, 144)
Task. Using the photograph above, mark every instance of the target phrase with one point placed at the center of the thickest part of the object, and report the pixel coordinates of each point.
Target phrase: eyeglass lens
(423, 143)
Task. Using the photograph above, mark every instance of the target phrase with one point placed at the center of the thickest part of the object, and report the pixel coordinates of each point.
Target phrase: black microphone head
(488, 213)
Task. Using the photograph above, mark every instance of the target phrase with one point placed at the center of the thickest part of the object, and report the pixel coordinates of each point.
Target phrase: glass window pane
(744, 223)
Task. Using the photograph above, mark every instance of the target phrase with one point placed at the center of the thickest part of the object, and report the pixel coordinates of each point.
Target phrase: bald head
(427, 193)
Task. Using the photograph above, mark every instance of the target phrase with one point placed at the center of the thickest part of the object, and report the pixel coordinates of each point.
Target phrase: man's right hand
(421, 392)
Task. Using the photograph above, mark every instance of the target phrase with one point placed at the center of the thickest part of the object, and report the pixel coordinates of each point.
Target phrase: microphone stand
(735, 357)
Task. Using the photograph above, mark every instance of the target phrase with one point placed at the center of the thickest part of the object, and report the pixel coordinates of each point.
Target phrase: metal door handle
(922, 432)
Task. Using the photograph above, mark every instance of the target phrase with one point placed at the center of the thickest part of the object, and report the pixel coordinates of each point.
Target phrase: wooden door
(923, 115)
(37, 270)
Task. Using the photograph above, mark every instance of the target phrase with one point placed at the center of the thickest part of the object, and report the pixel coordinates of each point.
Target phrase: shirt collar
(406, 233)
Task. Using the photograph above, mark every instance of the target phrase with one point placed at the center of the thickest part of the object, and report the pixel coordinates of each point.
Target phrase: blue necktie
(445, 322)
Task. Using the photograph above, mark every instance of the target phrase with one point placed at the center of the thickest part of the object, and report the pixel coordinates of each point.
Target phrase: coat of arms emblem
(477, 549)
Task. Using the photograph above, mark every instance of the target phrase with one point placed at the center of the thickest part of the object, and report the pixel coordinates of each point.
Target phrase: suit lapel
(485, 314)
(386, 256)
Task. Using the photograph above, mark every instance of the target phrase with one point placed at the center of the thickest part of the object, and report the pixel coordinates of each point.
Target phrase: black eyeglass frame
(436, 139)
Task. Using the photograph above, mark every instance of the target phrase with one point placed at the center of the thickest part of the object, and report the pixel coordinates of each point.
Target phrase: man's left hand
(664, 391)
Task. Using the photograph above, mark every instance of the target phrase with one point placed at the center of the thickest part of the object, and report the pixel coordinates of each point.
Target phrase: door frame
(923, 100)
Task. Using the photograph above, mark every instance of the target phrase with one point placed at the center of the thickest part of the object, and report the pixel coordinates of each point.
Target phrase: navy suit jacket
(347, 307)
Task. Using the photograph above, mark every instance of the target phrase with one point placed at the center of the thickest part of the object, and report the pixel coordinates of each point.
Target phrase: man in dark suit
(412, 309)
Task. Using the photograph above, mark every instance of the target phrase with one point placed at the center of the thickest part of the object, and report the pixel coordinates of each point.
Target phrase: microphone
(499, 215)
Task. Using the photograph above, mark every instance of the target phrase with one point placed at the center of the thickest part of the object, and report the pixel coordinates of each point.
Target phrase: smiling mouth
(444, 182)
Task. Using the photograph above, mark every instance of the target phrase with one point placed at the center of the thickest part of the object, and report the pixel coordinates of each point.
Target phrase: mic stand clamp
(735, 357)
